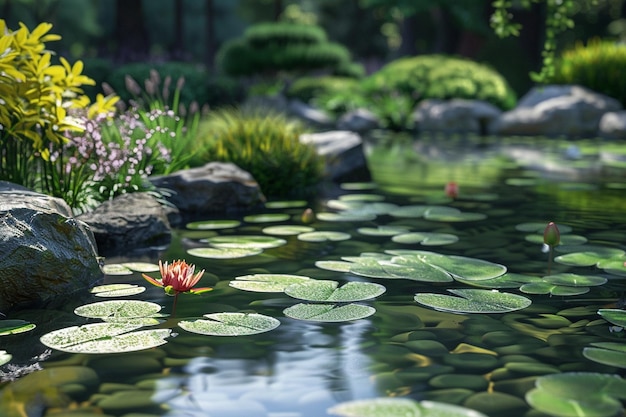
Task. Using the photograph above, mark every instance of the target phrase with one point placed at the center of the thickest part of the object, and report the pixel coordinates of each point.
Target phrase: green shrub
(266, 145)
(599, 65)
(308, 88)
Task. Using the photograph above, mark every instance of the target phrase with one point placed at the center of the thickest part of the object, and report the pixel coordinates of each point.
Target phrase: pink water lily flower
(177, 278)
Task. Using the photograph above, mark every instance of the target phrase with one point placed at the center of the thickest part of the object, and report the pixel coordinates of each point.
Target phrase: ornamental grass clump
(266, 145)
(598, 65)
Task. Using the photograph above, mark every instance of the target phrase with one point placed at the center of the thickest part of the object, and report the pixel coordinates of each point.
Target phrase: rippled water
(302, 368)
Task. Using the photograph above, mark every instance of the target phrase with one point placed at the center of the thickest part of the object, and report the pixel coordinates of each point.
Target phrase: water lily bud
(551, 235)
(308, 216)
(169, 290)
(452, 189)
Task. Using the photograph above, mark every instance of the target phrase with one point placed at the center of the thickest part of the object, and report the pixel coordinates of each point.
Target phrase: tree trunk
(131, 36)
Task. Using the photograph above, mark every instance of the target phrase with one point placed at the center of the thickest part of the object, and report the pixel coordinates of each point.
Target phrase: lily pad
(8, 327)
(400, 407)
(245, 242)
(118, 310)
(266, 282)
(230, 324)
(329, 291)
(613, 266)
(607, 353)
(345, 216)
(507, 280)
(614, 316)
(426, 238)
(575, 280)
(141, 266)
(287, 230)
(321, 236)
(410, 212)
(104, 338)
(336, 266)
(267, 218)
(116, 269)
(539, 227)
(5, 357)
(474, 301)
(451, 214)
(569, 394)
(285, 204)
(357, 186)
(543, 287)
(383, 231)
(400, 268)
(329, 312)
(588, 258)
(117, 290)
(566, 240)
(224, 253)
(361, 197)
(213, 224)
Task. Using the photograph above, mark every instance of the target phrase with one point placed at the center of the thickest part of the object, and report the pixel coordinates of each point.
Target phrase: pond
(449, 303)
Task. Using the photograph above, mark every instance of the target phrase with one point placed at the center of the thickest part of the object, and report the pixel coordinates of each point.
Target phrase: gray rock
(359, 120)
(129, 221)
(613, 125)
(216, 187)
(572, 111)
(45, 253)
(343, 153)
(455, 116)
(308, 114)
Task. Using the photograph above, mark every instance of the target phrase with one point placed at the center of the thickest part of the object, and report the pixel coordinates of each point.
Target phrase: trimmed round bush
(599, 65)
(308, 88)
(267, 145)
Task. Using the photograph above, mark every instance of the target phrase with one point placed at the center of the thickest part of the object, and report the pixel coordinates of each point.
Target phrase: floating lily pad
(474, 301)
(539, 227)
(329, 291)
(613, 266)
(425, 238)
(230, 324)
(117, 290)
(321, 236)
(575, 280)
(361, 197)
(345, 216)
(383, 231)
(400, 407)
(411, 212)
(451, 214)
(118, 310)
(245, 242)
(266, 282)
(508, 280)
(267, 218)
(590, 257)
(412, 269)
(357, 186)
(104, 338)
(336, 266)
(213, 224)
(329, 312)
(287, 230)
(141, 266)
(566, 240)
(569, 394)
(5, 357)
(116, 269)
(543, 287)
(607, 353)
(614, 316)
(224, 253)
(285, 204)
(14, 326)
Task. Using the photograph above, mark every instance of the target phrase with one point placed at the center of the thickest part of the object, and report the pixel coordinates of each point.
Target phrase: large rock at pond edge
(129, 221)
(45, 253)
(455, 116)
(216, 187)
(613, 125)
(555, 110)
(358, 120)
(343, 154)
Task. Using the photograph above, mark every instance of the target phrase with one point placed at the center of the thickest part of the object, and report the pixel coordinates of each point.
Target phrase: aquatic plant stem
(550, 259)
(174, 305)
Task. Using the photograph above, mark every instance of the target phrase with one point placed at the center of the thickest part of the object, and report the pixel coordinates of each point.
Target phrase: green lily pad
(117, 290)
(569, 394)
(118, 310)
(321, 236)
(329, 312)
(383, 231)
(361, 197)
(613, 266)
(104, 338)
(213, 224)
(588, 258)
(336, 266)
(287, 230)
(329, 291)
(474, 301)
(285, 204)
(575, 280)
(245, 242)
(5, 357)
(507, 280)
(400, 407)
(614, 316)
(8, 327)
(116, 269)
(230, 324)
(141, 266)
(425, 238)
(400, 268)
(607, 353)
(566, 240)
(539, 227)
(543, 287)
(345, 216)
(409, 212)
(357, 186)
(267, 218)
(266, 282)
(451, 214)
(224, 253)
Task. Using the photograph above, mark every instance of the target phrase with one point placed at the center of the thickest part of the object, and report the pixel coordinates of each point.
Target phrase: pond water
(399, 231)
